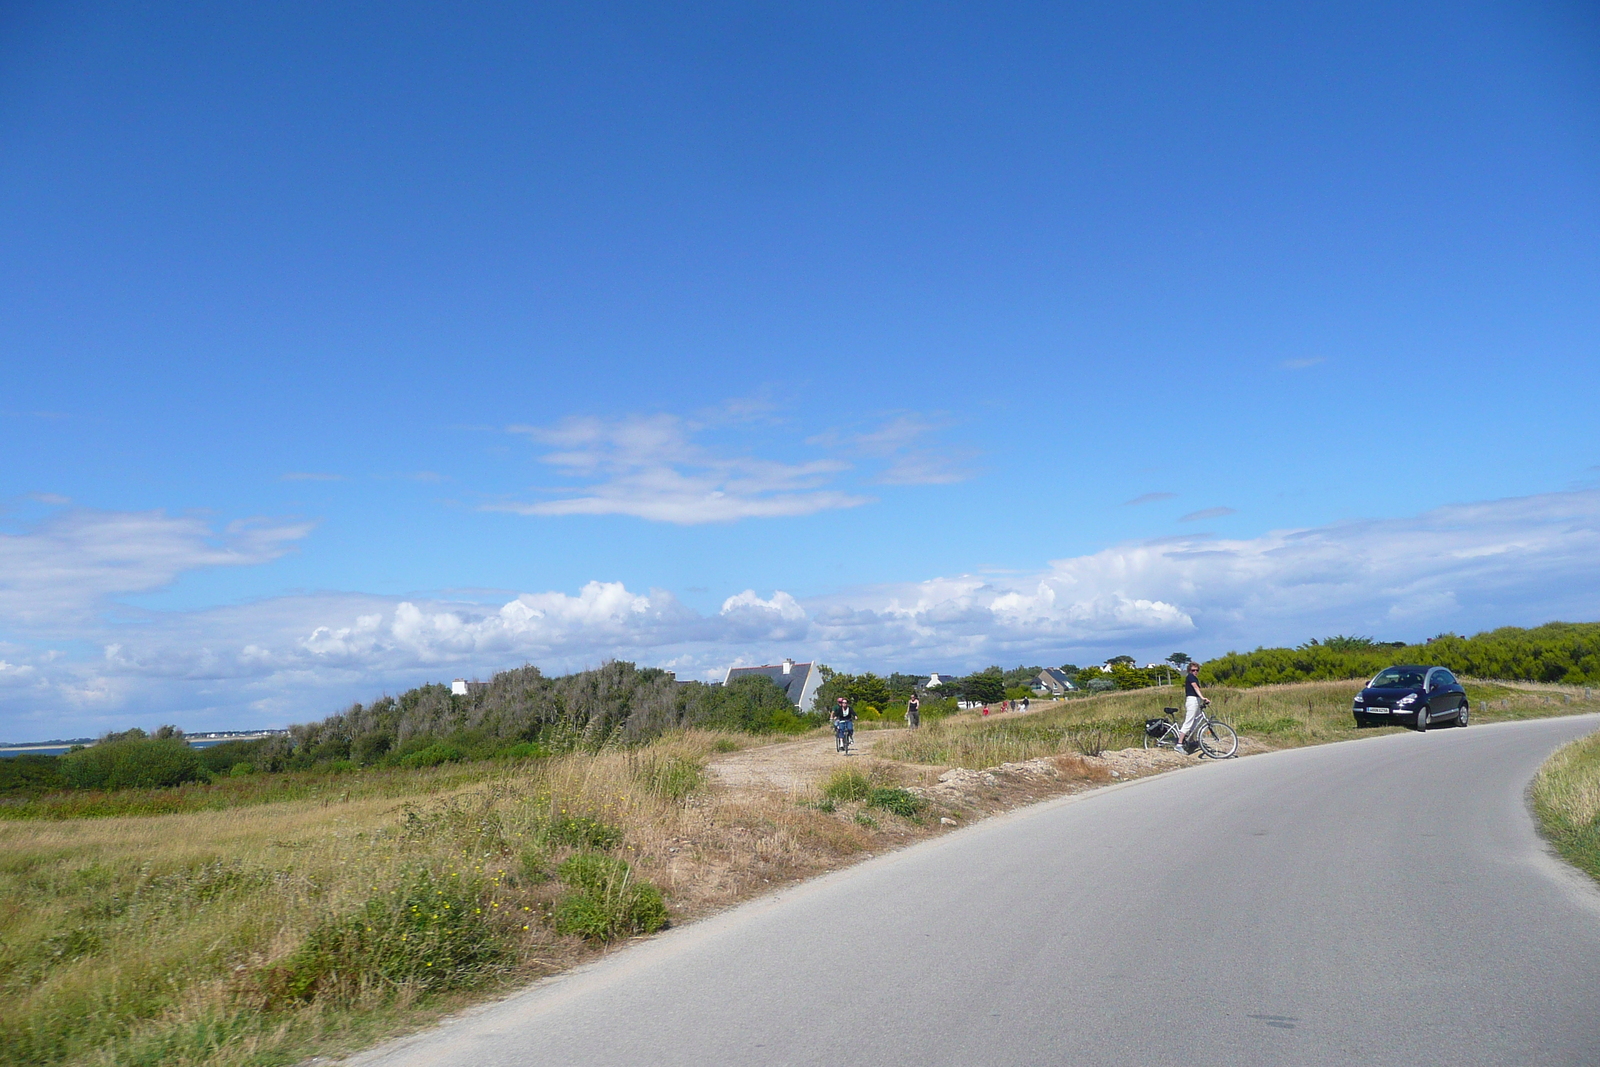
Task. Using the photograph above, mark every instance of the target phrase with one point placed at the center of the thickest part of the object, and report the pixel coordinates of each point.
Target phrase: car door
(1458, 695)
(1436, 694)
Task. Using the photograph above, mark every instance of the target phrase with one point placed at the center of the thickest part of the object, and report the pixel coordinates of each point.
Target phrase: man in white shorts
(1193, 701)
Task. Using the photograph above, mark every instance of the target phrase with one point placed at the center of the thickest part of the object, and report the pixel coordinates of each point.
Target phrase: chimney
(788, 665)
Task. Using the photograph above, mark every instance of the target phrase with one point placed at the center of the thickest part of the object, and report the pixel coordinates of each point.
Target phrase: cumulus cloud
(650, 467)
(1464, 567)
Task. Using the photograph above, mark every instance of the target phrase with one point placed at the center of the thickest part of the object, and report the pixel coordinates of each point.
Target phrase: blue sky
(349, 346)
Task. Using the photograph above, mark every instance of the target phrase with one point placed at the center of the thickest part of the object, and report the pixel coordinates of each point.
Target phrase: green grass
(1282, 716)
(1566, 797)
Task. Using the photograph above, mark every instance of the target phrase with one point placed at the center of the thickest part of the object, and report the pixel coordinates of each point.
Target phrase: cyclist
(843, 717)
(1193, 701)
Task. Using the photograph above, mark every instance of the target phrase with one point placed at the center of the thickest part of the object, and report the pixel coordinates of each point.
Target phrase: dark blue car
(1414, 695)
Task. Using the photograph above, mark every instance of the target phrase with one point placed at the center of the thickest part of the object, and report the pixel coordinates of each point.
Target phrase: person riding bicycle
(1193, 701)
(843, 717)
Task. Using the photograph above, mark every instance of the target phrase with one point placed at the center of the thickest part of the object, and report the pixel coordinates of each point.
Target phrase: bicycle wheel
(1161, 740)
(1218, 740)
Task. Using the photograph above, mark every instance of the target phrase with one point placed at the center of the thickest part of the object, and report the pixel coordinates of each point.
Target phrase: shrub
(241, 770)
(606, 903)
(30, 775)
(426, 933)
(592, 872)
(847, 783)
(898, 801)
(583, 831)
(432, 756)
(133, 763)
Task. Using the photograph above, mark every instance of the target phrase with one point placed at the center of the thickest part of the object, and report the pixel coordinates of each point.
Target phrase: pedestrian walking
(913, 712)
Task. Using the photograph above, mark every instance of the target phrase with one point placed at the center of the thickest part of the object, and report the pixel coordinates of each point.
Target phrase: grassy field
(1279, 716)
(257, 921)
(1566, 796)
(265, 932)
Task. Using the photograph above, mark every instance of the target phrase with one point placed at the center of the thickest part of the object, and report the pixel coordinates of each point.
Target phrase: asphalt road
(1383, 901)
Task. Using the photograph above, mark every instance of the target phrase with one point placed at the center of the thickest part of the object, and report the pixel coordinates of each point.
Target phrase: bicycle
(1216, 739)
(844, 732)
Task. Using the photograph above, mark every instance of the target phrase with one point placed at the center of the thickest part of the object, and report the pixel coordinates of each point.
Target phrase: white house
(935, 680)
(458, 688)
(799, 681)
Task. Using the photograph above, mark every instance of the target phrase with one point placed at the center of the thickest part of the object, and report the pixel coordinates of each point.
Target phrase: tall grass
(247, 936)
(1566, 797)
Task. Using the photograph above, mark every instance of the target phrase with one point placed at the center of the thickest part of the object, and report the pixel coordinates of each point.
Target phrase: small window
(1446, 678)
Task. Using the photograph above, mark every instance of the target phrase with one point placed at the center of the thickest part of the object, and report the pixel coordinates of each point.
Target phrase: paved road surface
(1383, 901)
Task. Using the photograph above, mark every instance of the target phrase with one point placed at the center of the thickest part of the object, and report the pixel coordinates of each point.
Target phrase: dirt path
(792, 767)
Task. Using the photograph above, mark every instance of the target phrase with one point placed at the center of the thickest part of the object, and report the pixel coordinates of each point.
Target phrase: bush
(241, 770)
(133, 763)
(30, 776)
(582, 831)
(907, 805)
(432, 756)
(606, 902)
(847, 783)
(592, 872)
(427, 933)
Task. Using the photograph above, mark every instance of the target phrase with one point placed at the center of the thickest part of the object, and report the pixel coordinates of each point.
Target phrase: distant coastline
(61, 746)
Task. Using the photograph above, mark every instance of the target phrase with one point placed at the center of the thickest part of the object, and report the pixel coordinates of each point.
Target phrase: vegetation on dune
(260, 935)
(1566, 796)
(1561, 652)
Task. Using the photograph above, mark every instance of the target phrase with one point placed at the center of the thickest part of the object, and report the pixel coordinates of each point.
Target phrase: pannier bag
(1155, 727)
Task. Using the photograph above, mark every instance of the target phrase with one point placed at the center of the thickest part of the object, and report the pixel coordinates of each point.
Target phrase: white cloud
(1147, 498)
(74, 561)
(650, 467)
(1464, 567)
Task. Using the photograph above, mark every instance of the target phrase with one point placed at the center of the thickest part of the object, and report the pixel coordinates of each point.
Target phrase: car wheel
(1461, 714)
(1422, 719)
(1361, 722)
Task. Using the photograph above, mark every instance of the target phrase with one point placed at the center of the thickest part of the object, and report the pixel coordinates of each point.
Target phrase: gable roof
(800, 685)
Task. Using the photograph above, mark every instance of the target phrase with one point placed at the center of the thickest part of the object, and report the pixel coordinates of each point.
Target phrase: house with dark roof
(799, 681)
(1055, 682)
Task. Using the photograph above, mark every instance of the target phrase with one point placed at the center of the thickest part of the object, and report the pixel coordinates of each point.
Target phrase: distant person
(913, 712)
(843, 718)
(1024, 703)
(1193, 701)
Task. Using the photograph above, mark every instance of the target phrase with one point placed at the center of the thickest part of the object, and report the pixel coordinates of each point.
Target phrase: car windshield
(1397, 678)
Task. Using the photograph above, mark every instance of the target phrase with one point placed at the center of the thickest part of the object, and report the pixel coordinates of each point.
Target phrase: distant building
(935, 680)
(1054, 682)
(458, 688)
(799, 681)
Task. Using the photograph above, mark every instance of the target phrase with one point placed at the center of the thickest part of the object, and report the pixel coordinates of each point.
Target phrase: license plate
(1377, 711)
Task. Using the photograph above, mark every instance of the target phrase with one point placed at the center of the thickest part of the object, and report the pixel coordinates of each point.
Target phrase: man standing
(1193, 701)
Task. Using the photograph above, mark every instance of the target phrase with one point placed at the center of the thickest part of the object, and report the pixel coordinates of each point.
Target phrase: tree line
(1566, 652)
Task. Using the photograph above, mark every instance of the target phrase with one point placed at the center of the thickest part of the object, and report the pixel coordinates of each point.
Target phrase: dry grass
(172, 939)
(1566, 796)
(157, 939)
